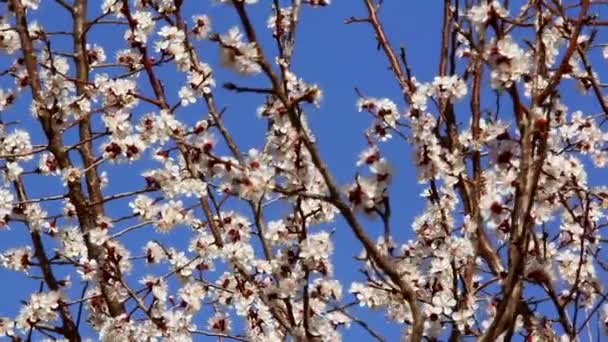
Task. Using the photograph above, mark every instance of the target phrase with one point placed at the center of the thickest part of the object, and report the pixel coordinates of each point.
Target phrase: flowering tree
(509, 243)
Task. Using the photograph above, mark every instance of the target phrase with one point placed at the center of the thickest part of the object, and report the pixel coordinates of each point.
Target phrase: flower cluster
(237, 55)
(41, 307)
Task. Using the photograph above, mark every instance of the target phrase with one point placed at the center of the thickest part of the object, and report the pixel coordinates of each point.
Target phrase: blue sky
(336, 56)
